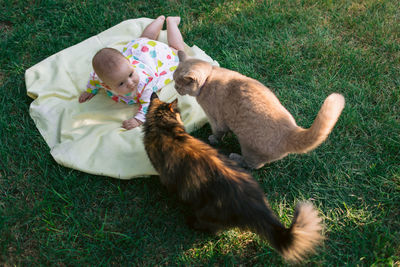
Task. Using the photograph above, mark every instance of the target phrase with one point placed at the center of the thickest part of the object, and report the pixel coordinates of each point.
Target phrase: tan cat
(265, 129)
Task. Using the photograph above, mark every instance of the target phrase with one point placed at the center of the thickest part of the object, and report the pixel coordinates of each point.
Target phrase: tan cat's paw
(239, 159)
(213, 140)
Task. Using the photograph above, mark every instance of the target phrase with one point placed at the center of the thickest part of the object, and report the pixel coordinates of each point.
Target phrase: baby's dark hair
(106, 59)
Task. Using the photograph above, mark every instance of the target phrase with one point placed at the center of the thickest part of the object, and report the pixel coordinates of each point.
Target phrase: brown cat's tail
(302, 236)
(304, 140)
(300, 239)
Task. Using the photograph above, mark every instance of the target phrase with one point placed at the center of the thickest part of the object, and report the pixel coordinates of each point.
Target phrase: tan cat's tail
(304, 140)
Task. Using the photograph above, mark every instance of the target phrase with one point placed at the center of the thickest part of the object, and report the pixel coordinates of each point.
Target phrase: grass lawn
(302, 49)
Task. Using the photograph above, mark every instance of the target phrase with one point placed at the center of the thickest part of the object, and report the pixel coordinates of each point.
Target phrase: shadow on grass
(137, 221)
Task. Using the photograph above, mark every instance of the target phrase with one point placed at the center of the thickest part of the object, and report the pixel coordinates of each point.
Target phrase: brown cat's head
(190, 75)
(162, 113)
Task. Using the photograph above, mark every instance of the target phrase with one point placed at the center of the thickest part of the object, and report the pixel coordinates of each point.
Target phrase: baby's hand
(85, 96)
(131, 123)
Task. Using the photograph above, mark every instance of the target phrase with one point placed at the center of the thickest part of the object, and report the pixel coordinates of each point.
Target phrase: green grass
(302, 49)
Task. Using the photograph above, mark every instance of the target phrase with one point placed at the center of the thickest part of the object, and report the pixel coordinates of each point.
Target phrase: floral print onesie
(154, 61)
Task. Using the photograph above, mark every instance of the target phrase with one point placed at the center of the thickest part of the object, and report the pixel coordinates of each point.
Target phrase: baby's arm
(131, 123)
(140, 117)
(85, 96)
(136, 121)
(92, 88)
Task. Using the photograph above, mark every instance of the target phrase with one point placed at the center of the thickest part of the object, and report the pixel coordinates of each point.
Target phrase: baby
(142, 67)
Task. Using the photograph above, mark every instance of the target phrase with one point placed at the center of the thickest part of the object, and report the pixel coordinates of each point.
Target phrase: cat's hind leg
(202, 225)
(249, 159)
(206, 219)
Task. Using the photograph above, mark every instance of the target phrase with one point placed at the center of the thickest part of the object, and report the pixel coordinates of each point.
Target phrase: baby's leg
(153, 29)
(174, 35)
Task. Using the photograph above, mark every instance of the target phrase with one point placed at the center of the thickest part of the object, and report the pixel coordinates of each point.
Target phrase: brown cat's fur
(265, 129)
(221, 194)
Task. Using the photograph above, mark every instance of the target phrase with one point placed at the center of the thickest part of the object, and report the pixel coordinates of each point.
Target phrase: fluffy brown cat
(221, 194)
(265, 129)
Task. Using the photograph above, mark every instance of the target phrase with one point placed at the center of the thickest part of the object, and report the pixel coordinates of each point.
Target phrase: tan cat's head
(190, 75)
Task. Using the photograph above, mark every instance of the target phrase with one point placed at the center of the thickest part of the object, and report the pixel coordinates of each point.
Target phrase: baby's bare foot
(161, 18)
(174, 20)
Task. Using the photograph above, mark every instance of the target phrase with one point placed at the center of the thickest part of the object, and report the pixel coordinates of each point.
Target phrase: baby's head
(115, 71)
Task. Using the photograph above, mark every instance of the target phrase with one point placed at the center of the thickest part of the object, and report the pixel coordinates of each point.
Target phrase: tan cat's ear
(190, 76)
(182, 55)
(173, 105)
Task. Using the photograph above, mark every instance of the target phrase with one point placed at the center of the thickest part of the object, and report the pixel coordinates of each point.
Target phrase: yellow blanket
(88, 136)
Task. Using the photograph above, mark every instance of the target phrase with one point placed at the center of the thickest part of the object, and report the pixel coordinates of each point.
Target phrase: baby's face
(123, 80)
